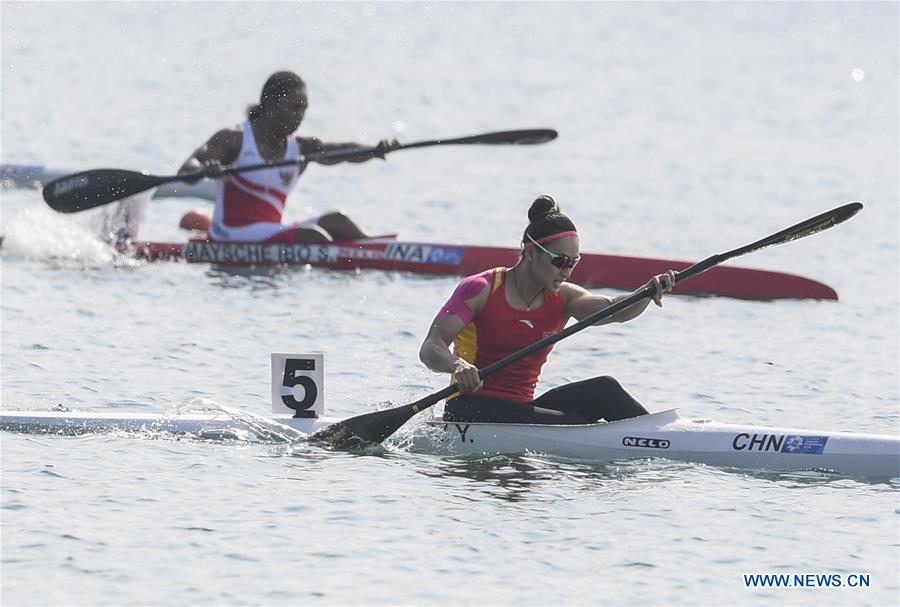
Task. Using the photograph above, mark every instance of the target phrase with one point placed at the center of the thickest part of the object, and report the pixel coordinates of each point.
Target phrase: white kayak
(658, 435)
(668, 435)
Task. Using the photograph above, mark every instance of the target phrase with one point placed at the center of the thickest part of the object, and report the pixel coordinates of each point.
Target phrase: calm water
(685, 130)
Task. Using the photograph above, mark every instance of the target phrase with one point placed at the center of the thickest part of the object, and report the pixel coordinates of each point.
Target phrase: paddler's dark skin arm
(223, 148)
(314, 145)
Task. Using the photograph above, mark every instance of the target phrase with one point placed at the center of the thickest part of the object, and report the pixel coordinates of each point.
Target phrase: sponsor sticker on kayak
(450, 256)
(813, 445)
(270, 253)
(248, 253)
(780, 443)
(639, 441)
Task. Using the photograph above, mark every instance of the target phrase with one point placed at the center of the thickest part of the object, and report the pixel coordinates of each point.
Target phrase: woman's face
(544, 261)
(290, 110)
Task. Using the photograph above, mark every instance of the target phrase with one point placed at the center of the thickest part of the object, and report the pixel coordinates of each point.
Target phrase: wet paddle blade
(520, 137)
(376, 426)
(363, 429)
(811, 226)
(97, 187)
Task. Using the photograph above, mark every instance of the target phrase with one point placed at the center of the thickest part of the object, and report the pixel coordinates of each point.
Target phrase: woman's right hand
(210, 168)
(466, 376)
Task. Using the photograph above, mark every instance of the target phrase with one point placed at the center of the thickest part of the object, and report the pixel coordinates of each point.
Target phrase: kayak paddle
(376, 426)
(97, 187)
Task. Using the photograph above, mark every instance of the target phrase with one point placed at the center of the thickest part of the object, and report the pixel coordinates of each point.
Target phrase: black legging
(582, 402)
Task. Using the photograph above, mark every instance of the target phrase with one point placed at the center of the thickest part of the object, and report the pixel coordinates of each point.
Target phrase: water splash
(32, 231)
(241, 425)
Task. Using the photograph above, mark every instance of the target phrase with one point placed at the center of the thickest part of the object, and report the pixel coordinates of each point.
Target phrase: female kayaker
(495, 313)
(249, 205)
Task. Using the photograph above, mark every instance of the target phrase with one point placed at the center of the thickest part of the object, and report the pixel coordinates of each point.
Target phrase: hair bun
(542, 206)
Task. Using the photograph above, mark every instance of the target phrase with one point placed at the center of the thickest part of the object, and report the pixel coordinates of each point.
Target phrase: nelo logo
(652, 443)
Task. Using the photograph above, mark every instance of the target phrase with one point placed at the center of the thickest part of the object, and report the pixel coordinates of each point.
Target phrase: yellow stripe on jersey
(466, 343)
(498, 278)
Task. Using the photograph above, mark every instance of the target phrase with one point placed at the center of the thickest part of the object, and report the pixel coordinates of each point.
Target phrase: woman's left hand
(661, 283)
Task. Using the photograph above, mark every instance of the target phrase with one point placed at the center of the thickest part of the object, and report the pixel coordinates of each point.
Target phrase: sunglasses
(563, 262)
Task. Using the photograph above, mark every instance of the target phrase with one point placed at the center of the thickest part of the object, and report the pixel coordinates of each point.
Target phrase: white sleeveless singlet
(249, 206)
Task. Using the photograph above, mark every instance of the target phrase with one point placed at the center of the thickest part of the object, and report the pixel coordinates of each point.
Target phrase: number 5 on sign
(298, 382)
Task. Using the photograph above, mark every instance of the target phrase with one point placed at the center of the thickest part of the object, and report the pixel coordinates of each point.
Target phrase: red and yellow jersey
(499, 330)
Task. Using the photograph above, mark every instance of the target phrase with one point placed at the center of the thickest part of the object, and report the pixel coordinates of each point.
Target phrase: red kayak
(594, 271)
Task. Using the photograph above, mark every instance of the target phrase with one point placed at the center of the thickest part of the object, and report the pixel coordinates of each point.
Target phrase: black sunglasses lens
(564, 262)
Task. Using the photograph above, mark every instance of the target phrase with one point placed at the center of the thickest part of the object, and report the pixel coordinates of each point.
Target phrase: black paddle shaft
(97, 187)
(376, 426)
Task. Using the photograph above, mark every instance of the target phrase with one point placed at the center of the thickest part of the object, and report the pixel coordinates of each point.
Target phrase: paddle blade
(812, 225)
(521, 137)
(364, 429)
(97, 187)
